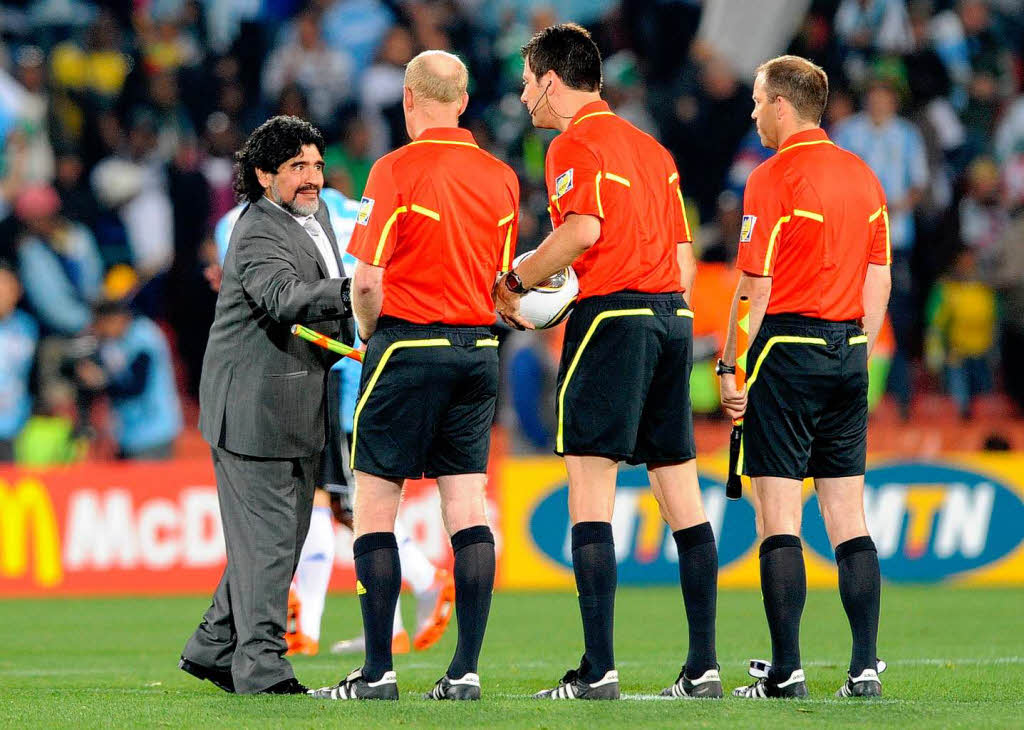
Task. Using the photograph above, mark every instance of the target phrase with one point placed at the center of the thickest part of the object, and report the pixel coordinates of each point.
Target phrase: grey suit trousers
(265, 506)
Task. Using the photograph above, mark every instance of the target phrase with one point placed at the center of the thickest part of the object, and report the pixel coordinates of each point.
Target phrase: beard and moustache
(293, 206)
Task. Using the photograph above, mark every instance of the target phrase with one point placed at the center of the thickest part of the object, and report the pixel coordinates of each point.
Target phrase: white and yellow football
(550, 301)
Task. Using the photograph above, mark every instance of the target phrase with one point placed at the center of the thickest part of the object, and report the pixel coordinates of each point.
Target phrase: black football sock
(860, 587)
(474, 584)
(379, 579)
(593, 561)
(698, 577)
(784, 587)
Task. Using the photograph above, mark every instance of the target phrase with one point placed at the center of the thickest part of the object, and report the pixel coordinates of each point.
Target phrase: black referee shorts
(807, 399)
(624, 379)
(426, 401)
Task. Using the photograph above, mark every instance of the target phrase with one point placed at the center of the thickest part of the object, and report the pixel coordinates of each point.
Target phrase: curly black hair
(274, 142)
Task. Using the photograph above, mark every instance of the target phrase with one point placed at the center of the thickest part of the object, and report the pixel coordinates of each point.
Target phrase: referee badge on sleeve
(746, 228)
(365, 209)
(563, 183)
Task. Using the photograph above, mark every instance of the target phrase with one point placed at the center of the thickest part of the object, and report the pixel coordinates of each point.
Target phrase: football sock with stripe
(593, 561)
(860, 587)
(698, 577)
(784, 588)
(379, 576)
(474, 584)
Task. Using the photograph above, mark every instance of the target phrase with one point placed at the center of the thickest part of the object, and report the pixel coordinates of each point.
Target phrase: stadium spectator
(348, 159)
(893, 148)
(704, 123)
(132, 366)
(530, 369)
(77, 200)
(18, 337)
(88, 77)
(962, 331)
(33, 113)
(968, 40)
(1009, 283)
(356, 27)
(323, 73)
(977, 221)
(865, 26)
(380, 91)
(58, 263)
(132, 182)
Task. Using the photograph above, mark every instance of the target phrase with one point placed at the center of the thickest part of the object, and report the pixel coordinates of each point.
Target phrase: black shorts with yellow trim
(426, 401)
(624, 379)
(807, 399)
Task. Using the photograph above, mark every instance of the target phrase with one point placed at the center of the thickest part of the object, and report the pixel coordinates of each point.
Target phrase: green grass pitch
(956, 659)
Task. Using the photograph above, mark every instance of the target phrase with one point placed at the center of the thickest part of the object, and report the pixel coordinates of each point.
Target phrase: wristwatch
(346, 293)
(722, 369)
(514, 283)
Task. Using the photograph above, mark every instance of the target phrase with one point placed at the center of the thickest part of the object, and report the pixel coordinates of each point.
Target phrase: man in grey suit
(262, 402)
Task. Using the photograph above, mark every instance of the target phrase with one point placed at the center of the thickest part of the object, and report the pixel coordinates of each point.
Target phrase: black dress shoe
(219, 677)
(290, 686)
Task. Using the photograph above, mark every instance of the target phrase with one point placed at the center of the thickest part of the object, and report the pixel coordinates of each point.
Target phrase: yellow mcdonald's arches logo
(26, 513)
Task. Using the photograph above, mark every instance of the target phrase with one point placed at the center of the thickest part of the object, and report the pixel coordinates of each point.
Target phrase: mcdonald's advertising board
(155, 528)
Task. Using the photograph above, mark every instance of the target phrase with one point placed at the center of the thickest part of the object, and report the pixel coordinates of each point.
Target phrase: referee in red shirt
(623, 383)
(435, 226)
(814, 254)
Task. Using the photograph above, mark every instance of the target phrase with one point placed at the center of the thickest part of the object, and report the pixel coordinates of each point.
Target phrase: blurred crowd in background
(119, 120)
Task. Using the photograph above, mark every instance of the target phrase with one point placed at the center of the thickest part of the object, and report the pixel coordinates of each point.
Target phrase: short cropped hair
(802, 83)
(569, 51)
(428, 79)
(273, 143)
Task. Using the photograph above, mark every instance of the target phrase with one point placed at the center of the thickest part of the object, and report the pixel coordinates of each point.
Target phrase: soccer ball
(550, 301)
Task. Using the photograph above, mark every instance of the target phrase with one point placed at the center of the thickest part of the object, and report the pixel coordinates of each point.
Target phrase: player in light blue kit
(432, 587)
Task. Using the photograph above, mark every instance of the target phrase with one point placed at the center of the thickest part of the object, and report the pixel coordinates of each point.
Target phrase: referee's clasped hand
(506, 304)
(734, 399)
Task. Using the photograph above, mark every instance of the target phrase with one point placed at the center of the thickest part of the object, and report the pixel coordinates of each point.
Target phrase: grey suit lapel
(297, 231)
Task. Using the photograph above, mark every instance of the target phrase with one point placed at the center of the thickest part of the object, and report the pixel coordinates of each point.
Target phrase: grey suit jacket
(262, 389)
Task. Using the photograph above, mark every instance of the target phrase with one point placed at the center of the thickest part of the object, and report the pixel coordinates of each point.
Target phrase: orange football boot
(431, 626)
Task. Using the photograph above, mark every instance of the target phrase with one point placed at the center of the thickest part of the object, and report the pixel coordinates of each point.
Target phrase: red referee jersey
(814, 216)
(603, 166)
(441, 216)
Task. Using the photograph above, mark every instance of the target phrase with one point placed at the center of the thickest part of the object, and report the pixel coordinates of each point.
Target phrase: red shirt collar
(595, 107)
(808, 135)
(447, 134)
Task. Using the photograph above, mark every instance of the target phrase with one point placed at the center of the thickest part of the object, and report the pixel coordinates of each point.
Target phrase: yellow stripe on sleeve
(506, 256)
(426, 211)
(808, 214)
(617, 178)
(771, 242)
(384, 233)
(597, 188)
(686, 222)
(888, 242)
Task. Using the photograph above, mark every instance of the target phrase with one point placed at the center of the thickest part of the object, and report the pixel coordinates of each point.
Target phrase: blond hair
(802, 83)
(437, 76)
